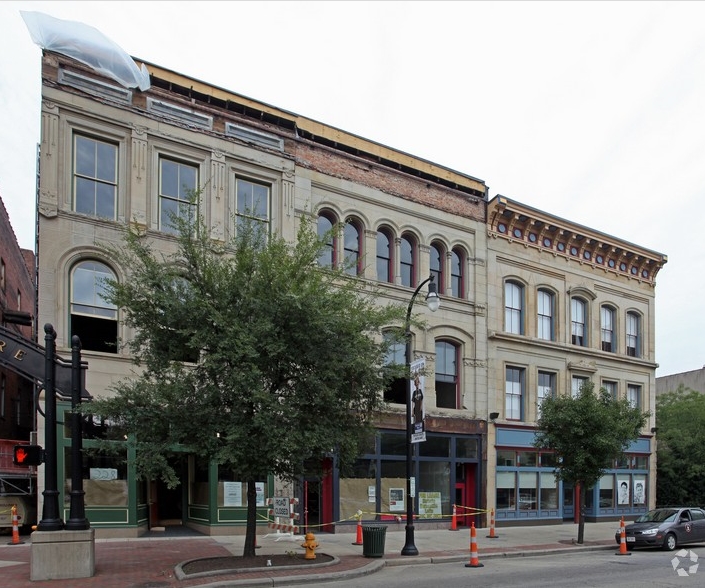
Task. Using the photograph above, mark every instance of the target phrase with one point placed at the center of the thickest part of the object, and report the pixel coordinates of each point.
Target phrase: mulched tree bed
(235, 563)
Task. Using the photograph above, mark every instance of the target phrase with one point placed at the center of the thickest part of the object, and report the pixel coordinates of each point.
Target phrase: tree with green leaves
(250, 353)
(587, 433)
(680, 449)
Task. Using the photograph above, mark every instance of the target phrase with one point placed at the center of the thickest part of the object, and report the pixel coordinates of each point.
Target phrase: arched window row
(397, 257)
(523, 312)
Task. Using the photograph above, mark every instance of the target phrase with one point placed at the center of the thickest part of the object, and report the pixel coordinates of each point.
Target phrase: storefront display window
(434, 477)
(104, 479)
(358, 491)
(549, 491)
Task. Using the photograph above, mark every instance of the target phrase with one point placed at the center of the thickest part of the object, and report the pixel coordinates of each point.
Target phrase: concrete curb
(378, 564)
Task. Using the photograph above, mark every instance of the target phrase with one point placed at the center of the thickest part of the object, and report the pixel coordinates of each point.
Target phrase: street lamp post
(433, 302)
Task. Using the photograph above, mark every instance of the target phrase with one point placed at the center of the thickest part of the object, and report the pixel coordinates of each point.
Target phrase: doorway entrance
(167, 505)
(465, 492)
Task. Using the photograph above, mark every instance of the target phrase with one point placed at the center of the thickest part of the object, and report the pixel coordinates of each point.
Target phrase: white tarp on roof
(87, 45)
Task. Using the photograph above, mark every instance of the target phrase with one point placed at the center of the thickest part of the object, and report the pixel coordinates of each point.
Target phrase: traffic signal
(28, 455)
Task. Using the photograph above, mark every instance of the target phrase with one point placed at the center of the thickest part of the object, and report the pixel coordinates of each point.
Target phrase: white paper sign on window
(232, 493)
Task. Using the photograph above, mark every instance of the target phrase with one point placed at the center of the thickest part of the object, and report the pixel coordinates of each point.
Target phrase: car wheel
(670, 543)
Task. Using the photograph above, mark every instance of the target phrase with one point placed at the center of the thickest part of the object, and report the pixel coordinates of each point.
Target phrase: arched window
(457, 259)
(447, 356)
(93, 319)
(407, 262)
(325, 232)
(385, 271)
(633, 334)
(578, 319)
(514, 308)
(351, 247)
(436, 262)
(546, 311)
(607, 328)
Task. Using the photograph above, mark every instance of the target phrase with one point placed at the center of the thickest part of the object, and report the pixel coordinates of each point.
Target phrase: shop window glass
(232, 491)
(392, 497)
(104, 478)
(549, 491)
(466, 448)
(639, 496)
(435, 447)
(623, 490)
(607, 491)
(433, 498)
(392, 443)
(506, 490)
(548, 460)
(355, 490)
(528, 491)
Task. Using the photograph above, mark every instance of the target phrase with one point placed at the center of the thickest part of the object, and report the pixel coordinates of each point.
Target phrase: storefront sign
(430, 505)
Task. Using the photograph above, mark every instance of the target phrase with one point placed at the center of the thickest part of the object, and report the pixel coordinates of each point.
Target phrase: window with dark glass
(407, 262)
(385, 271)
(93, 319)
(446, 374)
(514, 393)
(351, 248)
(436, 261)
(546, 389)
(456, 273)
(325, 232)
(397, 389)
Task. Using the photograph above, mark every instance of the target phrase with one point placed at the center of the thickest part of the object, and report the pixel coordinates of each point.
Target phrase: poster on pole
(418, 411)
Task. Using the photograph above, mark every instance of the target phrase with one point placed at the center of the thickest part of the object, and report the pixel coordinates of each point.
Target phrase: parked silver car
(666, 528)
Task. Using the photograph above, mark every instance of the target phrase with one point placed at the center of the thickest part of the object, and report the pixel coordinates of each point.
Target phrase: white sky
(592, 111)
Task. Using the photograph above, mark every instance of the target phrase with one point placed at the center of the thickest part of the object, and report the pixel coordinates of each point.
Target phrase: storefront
(526, 487)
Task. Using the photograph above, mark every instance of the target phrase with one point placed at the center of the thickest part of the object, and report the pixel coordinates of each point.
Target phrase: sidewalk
(153, 562)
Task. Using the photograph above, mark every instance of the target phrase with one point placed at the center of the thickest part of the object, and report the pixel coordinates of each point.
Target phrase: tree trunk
(251, 533)
(581, 514)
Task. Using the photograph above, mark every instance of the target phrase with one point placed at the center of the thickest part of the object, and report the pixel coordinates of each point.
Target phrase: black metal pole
(51, 521)
(77, 515)
(410, 544)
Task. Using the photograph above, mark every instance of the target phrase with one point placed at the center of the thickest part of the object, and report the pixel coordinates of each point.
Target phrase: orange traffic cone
(15, 528)
(474, 560)
(622, 539)
(358, 539)
(454, 521)
(492, 535)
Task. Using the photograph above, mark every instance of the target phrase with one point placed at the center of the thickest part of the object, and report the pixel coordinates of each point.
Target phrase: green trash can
(373, 540)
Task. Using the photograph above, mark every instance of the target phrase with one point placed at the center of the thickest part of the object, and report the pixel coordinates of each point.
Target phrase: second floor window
(95, 177)
(611, 388)
(576, 383)
(177, 184)
(546, 389)
(513, 308)
(446, 375)
(397, 389)
(93, 319)
(514, 393)
(578, 324)
(634, 395)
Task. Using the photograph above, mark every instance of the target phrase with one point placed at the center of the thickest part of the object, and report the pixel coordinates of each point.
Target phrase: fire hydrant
(310, 544)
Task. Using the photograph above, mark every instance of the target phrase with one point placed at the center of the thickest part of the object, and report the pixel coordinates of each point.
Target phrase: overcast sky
(592, 111)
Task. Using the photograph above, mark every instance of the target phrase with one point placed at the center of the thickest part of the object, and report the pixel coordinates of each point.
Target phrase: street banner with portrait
(418, 412)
